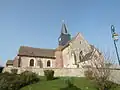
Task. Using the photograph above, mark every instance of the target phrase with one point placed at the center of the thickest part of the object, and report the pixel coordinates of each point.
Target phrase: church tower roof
(64, 29)
(64, 36)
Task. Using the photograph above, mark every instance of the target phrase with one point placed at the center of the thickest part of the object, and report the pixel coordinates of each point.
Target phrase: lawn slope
(56, 84)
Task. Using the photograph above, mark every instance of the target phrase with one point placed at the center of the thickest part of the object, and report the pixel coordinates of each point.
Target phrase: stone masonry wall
(75, 72)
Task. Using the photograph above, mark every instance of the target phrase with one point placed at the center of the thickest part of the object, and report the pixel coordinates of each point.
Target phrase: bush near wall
(1, 68)
(9, 81)
(29, 77)
(49, 74)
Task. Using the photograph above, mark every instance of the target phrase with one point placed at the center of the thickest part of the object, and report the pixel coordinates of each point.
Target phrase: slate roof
(92, 47)
(9, 62)
(36, 52)
(64, 36)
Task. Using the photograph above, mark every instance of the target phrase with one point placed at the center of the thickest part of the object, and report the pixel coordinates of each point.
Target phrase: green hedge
(9, 81)
(49, 74)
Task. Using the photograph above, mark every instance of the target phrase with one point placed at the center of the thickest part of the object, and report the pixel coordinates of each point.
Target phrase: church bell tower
(64, 36)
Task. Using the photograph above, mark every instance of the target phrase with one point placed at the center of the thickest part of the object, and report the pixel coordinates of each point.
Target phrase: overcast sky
(37, 23)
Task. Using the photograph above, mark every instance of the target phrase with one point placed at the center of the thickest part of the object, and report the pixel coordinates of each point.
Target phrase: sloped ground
(56, 84)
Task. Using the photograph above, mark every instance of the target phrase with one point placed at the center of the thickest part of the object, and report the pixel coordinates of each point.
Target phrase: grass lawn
(56, 84)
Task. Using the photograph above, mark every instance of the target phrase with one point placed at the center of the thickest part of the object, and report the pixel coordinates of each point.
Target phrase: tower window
(80, 42)
(48, 63)
(31, 62)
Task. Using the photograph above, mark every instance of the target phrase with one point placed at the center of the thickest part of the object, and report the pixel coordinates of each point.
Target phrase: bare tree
(100, 66)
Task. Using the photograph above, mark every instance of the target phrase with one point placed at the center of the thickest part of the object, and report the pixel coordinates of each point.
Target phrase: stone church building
(71, 52)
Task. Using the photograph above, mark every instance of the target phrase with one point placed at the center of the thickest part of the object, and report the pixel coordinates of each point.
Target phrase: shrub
(88, 74)
(29, 77)
(110, 85)
(4, 84)
(49, 74)
(4, 75)
(10, 81)
(70, 85)
(106, 85)
(14, 71)
(68, 81)
(16, 83)
(6, 80)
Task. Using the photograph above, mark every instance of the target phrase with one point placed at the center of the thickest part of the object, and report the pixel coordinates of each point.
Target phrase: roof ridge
(75, 36)
(37, 48)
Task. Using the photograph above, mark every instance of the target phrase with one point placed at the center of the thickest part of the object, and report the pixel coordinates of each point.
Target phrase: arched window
(31, 62)
(81, 52)
(81, 56)
(80, 42)
(48, 63)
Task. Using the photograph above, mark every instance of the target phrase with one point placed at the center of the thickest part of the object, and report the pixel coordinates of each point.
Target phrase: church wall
(76, 46)
(59, 59)
(80, 44)
(15, 61)
(68, 58)
(25, 62)
(65, 57)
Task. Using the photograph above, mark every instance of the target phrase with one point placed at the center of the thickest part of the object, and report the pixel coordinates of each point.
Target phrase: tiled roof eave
(53, 57)
(10, 62)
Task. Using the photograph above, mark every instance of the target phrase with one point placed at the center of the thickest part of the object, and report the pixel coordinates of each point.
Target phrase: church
(71, 52)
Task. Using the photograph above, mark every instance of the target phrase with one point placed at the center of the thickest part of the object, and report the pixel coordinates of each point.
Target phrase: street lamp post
(115, 39)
